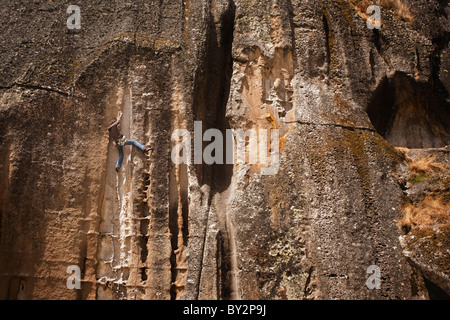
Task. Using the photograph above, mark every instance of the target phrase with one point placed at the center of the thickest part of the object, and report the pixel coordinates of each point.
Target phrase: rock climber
(119, 141)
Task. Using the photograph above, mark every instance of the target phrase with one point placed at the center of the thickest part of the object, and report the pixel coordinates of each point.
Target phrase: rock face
(426, 224)
(427, 252)
(338, 95)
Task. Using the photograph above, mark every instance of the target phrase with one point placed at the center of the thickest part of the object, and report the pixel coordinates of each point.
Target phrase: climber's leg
(119, 161)
(137, 145)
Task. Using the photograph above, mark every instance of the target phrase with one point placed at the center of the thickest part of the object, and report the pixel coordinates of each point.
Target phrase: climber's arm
(117, 122)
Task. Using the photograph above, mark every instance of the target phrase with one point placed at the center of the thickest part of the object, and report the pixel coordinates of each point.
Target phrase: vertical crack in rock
(328, 39)
(178, 225)
(178, 206)
(116, 229)
(137, 257)
(209, 107)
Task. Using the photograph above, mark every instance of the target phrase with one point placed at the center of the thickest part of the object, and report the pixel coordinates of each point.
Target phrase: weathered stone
(427, 251)
(340, 94)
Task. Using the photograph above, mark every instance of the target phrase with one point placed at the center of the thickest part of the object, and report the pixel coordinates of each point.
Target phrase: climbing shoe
(117, 169)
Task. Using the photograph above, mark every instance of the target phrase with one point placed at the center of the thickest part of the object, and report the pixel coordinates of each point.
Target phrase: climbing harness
(120, 142)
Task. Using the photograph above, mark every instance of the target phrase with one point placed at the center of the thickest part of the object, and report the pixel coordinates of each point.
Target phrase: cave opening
(410, 114)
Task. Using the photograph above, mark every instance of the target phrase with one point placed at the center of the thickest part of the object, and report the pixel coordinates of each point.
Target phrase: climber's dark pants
(123, 142)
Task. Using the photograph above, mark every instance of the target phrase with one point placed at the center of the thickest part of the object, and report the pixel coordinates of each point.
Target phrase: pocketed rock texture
(309, 226)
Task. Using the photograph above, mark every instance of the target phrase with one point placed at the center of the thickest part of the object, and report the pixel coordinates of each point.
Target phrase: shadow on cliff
(211, 95)
(210, 101)
(411, 114)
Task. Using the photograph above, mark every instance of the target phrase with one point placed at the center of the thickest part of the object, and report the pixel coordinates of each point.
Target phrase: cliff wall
(339, 95)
